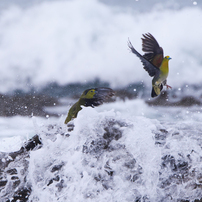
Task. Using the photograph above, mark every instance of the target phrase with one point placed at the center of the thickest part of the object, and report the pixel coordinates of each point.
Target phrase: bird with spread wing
(91, 97)
(153, 62)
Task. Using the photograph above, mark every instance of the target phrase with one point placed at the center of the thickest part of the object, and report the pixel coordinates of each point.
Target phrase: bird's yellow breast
(164, 70)
(163, 73)
(164, 67)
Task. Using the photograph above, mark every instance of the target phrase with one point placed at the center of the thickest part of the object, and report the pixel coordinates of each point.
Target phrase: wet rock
(21, 195)
(60, 185)
(130, 164)
(13, 172)
(131, 91)
(70, 127)
(105, 160)
(95, 147)
(112, 131)
(160, 137)
(124, 94)
(188, 101)
(161, 100)
(164, 100)
(33, 143)
(176, 172)
(57, 178)
(26, 104)
(57, 167)
(3, 183)
(73, 90)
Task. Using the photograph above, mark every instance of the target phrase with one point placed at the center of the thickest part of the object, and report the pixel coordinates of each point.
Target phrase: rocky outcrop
(103, 159)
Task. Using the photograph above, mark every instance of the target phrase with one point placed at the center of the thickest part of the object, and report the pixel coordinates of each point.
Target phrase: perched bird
(90, 97)
(153, 62)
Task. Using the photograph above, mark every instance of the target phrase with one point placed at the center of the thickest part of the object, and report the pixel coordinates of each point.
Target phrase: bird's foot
(168, 86)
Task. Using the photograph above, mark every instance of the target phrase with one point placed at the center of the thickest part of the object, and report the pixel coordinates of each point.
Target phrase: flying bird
(153, 62)
(91, 97)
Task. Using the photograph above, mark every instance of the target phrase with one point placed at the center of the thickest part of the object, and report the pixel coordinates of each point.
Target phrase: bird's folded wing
(148, 66)
(102, 94)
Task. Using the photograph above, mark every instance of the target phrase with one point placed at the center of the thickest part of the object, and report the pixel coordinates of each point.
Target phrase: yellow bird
(90, 97)
(153, 62)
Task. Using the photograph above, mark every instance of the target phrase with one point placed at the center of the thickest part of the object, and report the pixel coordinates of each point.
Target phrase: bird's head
(95, 96)
(167, 58)
(89, 93)
(97, 93)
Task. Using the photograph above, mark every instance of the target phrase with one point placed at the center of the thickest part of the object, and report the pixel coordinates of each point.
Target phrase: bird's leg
(165, 84)
(168, 86)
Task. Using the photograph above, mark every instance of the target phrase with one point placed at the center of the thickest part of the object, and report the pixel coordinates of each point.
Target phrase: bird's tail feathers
(153, 93)
(156, 90)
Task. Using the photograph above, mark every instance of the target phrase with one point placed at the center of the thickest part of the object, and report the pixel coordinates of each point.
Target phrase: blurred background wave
(57, 43)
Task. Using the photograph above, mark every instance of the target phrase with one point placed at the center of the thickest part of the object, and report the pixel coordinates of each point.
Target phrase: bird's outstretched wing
(148, 66)
(101, 95)
(153, 52)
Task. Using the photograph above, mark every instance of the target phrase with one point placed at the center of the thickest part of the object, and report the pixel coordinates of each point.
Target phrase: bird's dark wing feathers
(93, 102)
(148, 66)
(102, 95)
(153, 52)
